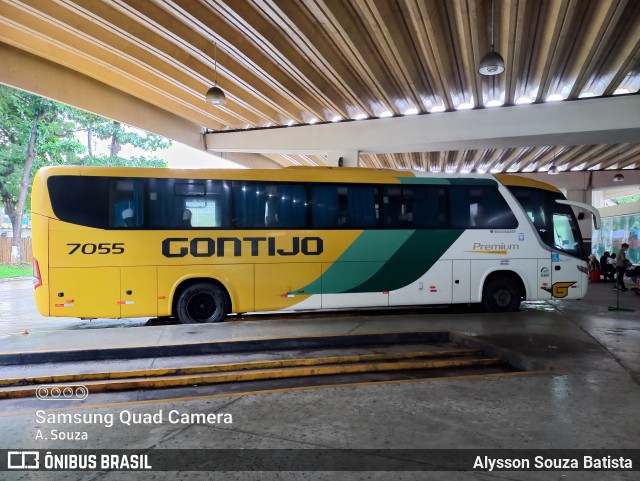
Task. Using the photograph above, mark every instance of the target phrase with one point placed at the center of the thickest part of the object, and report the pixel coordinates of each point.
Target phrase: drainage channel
(307, 363)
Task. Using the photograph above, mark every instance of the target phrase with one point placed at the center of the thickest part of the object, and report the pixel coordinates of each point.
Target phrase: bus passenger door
(85, 292)
(565, 276)
(568, 281)
(461, 282)
(139, 291)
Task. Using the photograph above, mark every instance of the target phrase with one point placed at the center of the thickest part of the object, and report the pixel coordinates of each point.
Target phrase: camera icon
(67, 392)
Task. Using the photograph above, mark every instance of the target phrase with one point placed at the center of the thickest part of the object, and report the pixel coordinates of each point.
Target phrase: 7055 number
(102, 248)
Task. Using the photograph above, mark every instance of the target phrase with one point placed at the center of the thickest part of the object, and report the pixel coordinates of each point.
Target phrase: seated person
(593, 263)
(607, 268)
(186, 218)
(128, 217)
(632, 271)
(634, 274)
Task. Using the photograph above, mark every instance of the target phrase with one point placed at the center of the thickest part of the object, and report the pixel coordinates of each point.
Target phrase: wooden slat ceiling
(285, 62)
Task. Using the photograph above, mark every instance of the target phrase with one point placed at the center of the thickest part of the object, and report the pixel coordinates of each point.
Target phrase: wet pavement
(591, 399)
(18, 313)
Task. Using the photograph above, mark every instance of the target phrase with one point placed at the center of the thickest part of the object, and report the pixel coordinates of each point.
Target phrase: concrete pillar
(349, 158)
(597, 198)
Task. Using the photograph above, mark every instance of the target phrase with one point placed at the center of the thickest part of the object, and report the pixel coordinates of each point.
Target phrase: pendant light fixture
(618, 177)
(492, 63)
(215, 95)
(553, 170)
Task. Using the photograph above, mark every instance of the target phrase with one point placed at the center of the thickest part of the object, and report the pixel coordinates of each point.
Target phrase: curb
(219, 347)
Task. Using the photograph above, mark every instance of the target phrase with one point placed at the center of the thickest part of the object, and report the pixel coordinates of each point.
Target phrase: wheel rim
(201, 307)
(502, 297)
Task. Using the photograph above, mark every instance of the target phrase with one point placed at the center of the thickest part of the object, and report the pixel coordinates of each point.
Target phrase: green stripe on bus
(424, 180)
(416, 256)
(383, 261)
(361, 260)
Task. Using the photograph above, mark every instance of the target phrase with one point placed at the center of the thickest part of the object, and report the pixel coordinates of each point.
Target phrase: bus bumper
(42, 299)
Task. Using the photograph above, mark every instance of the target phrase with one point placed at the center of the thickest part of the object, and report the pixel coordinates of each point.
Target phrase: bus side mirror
(582, 205)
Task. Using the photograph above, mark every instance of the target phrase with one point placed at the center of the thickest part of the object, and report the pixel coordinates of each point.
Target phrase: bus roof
(291, 174)
(300, 174)
(518, 181)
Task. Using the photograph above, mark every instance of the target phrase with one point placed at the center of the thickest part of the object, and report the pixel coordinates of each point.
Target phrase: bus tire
(501, 294)
(202, 303)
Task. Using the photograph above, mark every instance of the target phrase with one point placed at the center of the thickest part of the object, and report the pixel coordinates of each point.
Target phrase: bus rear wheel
(501, 294)
(202, 303)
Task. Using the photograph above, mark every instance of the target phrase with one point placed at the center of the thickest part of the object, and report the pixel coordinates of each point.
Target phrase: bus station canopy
(395, 81)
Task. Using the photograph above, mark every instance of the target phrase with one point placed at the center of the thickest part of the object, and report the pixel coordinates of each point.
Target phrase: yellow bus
(197, 245)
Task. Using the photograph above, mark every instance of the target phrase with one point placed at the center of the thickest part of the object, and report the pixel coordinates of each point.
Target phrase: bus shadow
(360, 312)
(162, 321)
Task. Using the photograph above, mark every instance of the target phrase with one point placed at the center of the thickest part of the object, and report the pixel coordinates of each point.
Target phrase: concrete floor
(592, 401)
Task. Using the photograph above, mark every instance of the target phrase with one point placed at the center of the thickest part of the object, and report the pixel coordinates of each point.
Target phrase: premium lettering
(495, 247)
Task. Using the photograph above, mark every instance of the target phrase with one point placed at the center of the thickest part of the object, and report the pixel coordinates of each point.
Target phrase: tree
(35, 132)
(32, 132)
(117, 135)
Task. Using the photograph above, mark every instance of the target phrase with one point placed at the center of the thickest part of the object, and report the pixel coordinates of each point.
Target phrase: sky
(181, 156)
(178, 156)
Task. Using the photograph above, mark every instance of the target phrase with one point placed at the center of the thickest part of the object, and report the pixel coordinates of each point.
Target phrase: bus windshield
(556, 224)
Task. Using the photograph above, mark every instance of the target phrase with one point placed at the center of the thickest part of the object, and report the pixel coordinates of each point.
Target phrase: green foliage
(59, 130)
(122, 162)
(20, 270)
(627, 199)
(55, 130)
(106, 130)
(20, 114)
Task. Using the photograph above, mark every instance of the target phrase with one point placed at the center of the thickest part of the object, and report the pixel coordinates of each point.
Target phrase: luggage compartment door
(85, 292)
(139, 291)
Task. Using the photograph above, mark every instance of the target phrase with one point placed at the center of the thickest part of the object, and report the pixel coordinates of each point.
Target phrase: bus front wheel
(202, 302)
(501, 294)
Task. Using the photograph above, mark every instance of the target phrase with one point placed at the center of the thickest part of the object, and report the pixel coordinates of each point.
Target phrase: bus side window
(428, 207)
(262, 205)
(479, 207)
(324, 206)
(287, 207)
(393, 207)
(460, 208)
(497, 213)
(186, 203)
(249, 204)
(81, 200)
(126, 200)
(361, 207)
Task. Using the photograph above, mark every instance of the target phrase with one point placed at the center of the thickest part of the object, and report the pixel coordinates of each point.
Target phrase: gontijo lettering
(237, 247)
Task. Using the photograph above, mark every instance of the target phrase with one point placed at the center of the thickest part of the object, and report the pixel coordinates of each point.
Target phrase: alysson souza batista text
(487, 463)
